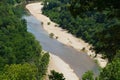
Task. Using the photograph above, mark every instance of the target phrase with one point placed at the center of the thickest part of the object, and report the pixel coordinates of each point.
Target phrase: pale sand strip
(63, 36)
(55, 63)
(60, 66)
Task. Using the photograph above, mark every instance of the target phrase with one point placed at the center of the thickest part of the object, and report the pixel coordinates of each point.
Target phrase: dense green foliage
(19, 72)
(95, 21)
(88, 76)
(107, 39)
(111, 71)
(21, 56)
(89, 21)
(111, 7)
(56, 76)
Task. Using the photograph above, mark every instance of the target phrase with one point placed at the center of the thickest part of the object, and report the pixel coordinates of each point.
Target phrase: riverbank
(60, 66)
(56, 62)
(62, 35)
(67, 39)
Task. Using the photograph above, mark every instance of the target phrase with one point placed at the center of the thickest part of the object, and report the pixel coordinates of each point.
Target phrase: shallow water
(78, 61)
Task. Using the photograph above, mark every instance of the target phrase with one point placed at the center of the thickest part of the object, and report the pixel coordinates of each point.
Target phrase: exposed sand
(60, 66)
(55, 63)
(63, 37)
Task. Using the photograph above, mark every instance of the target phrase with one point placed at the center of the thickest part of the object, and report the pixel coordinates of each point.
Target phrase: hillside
(21, 56)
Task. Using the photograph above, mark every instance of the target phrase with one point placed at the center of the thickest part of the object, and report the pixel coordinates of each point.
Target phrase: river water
(80, 62)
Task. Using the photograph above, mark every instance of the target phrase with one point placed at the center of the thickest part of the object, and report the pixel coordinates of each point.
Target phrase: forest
(95, 21)
(21, 56)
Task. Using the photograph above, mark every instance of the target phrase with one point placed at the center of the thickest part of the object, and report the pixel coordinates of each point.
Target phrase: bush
(42, 23)
(51, 35)
(56, 25)
(83, 49)
(88, 76)
(48, 23)
(56, 76)
(56, 37)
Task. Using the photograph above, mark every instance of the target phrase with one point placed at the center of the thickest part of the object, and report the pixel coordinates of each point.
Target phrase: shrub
(56, 76)
(48, 23)
(51, 35)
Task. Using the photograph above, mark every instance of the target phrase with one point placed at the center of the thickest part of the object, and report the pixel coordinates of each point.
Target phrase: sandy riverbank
(63, 36)
(60, 66)
(55, 63)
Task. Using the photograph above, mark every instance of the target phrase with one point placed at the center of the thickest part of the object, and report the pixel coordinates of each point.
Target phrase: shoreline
(55, 62)
(63, 36)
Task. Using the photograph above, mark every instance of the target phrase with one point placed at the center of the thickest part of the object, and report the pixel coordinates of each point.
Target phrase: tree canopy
(88, 76)
(95, 21)
(88, 20)
(21, 56)
(19, 72)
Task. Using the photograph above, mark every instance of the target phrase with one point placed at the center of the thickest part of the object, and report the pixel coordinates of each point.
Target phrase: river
(80, 62)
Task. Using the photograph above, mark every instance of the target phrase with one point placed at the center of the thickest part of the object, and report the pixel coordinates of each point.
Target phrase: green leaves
(111, 71)
(43, 64)
(88, 76)
(19, 72)
(108, 41)
(81, 6)
(56, 76)
(21, 55)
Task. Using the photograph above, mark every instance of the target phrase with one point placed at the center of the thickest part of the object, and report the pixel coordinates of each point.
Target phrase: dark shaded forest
(21, 56)
(95, 21)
